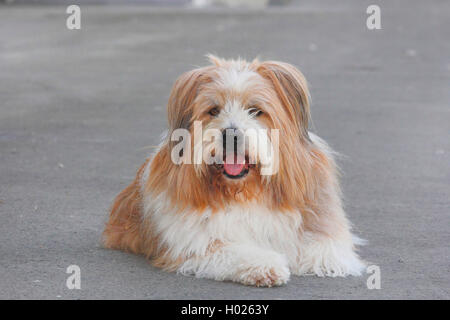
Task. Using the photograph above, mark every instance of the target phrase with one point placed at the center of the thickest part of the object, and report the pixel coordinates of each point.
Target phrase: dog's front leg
(244, 263)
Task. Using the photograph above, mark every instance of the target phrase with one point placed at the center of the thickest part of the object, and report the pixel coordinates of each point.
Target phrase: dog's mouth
(234, 166)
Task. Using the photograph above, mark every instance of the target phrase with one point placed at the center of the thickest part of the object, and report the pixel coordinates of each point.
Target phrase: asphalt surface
(80, 110)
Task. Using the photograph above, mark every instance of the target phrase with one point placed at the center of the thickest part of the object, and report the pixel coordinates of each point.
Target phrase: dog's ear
(292, 90)
(181, 98)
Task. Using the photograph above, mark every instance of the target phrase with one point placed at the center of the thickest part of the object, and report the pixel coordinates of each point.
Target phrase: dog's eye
(214, 111)
(255, 111)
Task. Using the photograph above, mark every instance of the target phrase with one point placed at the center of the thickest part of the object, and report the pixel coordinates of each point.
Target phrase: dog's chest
(194, 231)
(255, 224)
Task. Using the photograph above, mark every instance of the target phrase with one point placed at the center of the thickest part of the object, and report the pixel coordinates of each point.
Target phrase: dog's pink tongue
(235, 166)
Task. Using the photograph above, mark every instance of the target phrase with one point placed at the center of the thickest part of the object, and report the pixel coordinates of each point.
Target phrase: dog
(225, 219)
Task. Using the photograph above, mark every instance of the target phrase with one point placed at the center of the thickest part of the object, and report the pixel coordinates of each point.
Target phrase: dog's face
(247, 123)
(234, 110)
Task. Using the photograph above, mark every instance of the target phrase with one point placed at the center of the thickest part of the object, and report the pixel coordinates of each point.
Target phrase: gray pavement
(80, 110)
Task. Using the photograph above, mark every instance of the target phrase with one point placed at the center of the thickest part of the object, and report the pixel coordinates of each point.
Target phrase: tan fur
(123, 229)
(302, 185)
(302, 169)
(284, 85)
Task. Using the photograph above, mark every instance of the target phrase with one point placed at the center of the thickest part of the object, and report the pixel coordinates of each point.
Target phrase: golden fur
(305, 184)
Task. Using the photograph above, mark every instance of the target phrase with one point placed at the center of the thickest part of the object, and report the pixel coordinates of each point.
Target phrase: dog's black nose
(230, 137)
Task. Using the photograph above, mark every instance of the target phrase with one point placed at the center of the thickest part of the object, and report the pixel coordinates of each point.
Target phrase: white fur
(235, 114)
(324, 256)
(254, 245)
(237, 77)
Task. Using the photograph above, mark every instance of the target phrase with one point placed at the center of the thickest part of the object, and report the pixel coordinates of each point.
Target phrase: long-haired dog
(255, 214)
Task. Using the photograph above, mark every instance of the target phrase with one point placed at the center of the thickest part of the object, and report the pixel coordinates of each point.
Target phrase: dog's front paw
(267, 269)
(243, 263)
(264, 276)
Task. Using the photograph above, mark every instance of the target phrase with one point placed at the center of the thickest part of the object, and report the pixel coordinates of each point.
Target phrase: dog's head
(237, 131)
